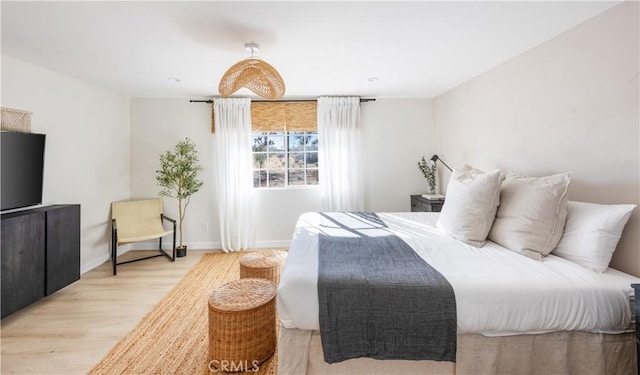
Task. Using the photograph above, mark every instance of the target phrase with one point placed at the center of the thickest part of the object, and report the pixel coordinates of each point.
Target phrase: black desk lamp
(435, 158)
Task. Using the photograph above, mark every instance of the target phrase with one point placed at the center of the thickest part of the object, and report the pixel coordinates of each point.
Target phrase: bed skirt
(300, 352)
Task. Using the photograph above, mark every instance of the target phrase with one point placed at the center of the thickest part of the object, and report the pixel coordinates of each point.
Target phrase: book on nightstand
(433, 197)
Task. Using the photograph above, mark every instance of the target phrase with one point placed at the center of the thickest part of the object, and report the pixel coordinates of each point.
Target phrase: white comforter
(498, 292)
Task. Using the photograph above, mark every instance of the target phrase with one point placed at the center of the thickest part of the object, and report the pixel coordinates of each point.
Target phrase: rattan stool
(242, 324)
(263, 265)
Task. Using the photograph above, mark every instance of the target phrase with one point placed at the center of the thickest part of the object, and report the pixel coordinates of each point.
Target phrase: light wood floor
(71, 330)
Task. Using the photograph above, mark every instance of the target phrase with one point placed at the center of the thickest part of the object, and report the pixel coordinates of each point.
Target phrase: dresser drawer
(421, 204)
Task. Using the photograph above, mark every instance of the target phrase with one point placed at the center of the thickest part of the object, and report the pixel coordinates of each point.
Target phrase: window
(284, 143)
(285, 158)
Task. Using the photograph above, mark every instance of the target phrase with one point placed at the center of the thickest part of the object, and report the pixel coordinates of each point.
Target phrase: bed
(514, 314)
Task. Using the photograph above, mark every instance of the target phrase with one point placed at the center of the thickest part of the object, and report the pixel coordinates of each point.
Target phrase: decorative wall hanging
(254, 74)
(15, 120)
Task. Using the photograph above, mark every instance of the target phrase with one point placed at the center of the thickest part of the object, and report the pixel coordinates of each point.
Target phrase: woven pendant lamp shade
(254, 74)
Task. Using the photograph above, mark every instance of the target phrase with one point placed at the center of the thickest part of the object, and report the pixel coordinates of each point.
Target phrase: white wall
(570, 104)
(397, 132)
(87, 146)
(156, 126)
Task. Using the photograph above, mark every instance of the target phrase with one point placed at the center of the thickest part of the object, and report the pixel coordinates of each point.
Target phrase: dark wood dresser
(40, 253)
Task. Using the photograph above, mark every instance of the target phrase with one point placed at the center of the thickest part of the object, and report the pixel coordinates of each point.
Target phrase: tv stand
(40, 254)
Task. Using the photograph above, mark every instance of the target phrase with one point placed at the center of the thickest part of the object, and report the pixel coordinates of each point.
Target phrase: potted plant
(428, 169)
(178, 177)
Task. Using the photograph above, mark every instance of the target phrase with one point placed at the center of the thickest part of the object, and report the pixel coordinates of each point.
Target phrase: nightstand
(422, 204)
(637, 309)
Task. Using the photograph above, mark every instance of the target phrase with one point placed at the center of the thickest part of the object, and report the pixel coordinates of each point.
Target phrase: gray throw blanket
(378, 298)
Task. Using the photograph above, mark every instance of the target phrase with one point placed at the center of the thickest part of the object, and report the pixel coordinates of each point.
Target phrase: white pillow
(470, 205)
(532, 213)
(592, 232)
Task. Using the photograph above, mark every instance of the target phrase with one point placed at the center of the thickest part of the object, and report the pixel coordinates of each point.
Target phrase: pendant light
(254, 74)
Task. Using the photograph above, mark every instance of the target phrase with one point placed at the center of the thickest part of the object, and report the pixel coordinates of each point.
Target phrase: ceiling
(370, 49)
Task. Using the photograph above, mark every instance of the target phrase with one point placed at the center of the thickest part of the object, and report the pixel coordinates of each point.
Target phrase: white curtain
(339, 157)
(233, 171)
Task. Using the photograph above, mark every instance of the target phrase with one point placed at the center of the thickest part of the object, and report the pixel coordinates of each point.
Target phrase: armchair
(139, 220)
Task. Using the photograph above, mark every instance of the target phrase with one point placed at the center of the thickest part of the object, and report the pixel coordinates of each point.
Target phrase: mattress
(498, 292)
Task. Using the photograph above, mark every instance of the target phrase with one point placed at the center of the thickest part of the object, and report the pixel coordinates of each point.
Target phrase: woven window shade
(280, 116)
(268, 117)
(301, 117)
(213, 119)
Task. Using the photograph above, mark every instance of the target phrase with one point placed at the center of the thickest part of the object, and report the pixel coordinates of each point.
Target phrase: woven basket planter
(242, 324)
(263, 265)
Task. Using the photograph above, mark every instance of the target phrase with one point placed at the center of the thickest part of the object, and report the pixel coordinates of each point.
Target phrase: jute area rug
(173, 337)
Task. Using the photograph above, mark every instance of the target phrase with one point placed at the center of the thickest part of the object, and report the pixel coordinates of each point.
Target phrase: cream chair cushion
(138, 220)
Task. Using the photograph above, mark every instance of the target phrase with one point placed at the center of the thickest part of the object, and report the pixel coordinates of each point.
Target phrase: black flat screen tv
(21, 169)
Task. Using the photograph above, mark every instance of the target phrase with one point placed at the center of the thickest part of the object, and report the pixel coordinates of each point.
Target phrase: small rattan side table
(264, 264)
(242, 324)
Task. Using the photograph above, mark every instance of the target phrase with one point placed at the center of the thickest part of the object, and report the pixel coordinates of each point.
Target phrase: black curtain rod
(362, 100)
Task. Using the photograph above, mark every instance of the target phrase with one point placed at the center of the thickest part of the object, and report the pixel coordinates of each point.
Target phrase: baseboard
(93, 264)
(150, 245)
(268, 244)
(147, 245)
(84, 268)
